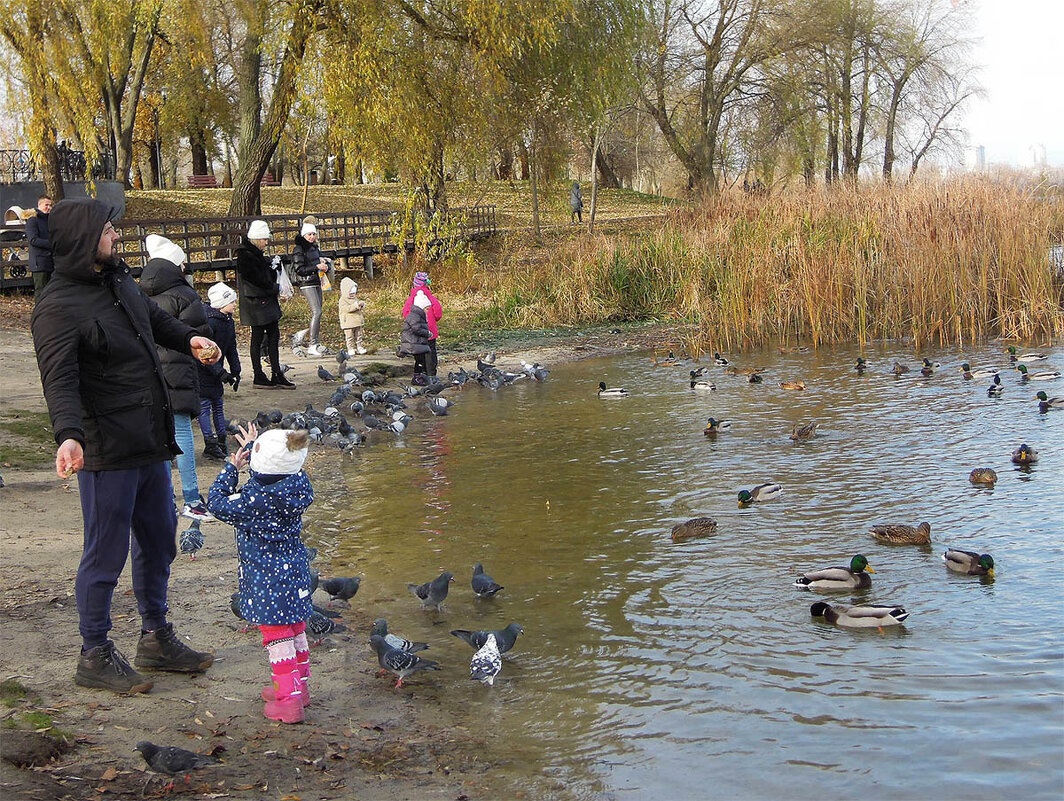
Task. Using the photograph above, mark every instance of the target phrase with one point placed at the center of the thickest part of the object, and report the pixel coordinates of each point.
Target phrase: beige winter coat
(350, 307)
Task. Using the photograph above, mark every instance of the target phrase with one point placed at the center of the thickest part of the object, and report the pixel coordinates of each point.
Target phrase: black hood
(74, 228)
(160, 275)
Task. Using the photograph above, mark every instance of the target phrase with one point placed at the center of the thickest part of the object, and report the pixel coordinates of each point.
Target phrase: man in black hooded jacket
(95, 333)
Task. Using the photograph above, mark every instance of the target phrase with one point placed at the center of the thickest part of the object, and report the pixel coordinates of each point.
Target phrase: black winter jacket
(223, 332)
(164, 282)
(305, 258)
(257, 286)
(94, 332)
(416, 333)
(40, 245)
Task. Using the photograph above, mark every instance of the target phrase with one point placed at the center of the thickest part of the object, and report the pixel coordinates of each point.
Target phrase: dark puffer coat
(223, 332)
(95, 332)
(416, 333)
(163, 282)
(257, 286)
(40, 244)
(305, 258)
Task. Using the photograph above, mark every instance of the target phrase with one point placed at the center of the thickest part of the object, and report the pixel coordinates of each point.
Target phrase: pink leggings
(287, 632)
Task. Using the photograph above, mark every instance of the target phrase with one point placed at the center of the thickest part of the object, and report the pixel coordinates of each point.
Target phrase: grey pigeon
(341, 589)
(191, 540)
(433, 593)
(439, 405)
(397, 662)
(505, 638)
(325, 375)
(484, 586)
(486, 663)
(172, 760)
(319, 626)
(380, 629)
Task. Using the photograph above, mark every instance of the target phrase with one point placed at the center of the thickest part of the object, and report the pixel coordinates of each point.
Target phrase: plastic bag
(284, 283)
(328, 277)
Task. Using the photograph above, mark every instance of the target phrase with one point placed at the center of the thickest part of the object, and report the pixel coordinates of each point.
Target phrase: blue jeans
(212, 410)
(186, 460)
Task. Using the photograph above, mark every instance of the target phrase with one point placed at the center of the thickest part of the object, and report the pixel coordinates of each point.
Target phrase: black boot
(211, 449)
(223, 444)
(280, 382)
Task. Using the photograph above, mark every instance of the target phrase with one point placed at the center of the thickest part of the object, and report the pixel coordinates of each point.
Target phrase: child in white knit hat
(267, 513)
(352, 317)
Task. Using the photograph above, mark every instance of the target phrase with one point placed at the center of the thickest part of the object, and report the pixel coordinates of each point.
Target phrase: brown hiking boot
(162, 650)
(105, 667)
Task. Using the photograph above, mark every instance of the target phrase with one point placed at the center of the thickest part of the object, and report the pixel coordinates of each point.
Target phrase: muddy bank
(362, 738)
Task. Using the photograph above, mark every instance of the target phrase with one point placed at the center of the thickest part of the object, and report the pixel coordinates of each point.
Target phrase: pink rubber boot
(287, 704)
(303, 668)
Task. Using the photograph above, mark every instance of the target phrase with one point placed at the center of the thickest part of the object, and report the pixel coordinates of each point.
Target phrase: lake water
(694, 670)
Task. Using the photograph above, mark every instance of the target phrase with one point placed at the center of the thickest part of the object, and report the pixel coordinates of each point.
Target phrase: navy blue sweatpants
(115, 503)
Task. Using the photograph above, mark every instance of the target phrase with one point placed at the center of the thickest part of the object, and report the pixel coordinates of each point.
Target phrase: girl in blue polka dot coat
(267, 513)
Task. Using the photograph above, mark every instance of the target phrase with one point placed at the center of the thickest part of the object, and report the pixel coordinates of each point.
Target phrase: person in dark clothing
(310, 265)
(94, 333)
(164, 281)
(219, 309)
(259, 306)
(41, 264)
(415, 336)
(576, 204)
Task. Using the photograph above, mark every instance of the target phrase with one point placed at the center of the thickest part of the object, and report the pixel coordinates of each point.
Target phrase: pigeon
(312, 553)
(380, 629)
(374, 422)
(486, 663)
(341, 356)
(439, 405)
(325, 375)
(484, 586)
(398, 662)
(300, 337)
(191, 540)
(341, 589)
(320, 626)
(172, 760)
(504, 638)
(433, 593)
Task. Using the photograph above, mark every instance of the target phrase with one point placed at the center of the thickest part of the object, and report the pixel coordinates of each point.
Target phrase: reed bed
(940, 263)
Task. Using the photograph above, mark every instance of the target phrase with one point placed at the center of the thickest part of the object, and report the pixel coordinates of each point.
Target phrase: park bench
(269, 180)
(202, 182)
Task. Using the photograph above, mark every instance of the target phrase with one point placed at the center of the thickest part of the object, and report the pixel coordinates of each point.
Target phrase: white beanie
(279, 452)
(421, 300)
(159, 247)
(308, 228)
(259, 230)
(220, 295)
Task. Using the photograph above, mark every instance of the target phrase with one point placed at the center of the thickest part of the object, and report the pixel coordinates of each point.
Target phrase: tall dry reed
(935, 263)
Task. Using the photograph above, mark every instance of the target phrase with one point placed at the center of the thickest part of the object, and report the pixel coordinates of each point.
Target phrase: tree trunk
(154, 171)
(596, 140)
(197, 145)
(603, 164)
(505, 170)
(523, 158)
(530, 154)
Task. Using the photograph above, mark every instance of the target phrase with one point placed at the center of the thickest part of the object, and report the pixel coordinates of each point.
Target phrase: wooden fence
(210, 242)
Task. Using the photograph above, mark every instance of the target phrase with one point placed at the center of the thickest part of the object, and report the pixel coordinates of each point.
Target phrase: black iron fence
(210, 242)
(19, 166)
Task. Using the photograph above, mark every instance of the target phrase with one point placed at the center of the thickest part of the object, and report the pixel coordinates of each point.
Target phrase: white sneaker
(197, 511)
(316, 350)
(362, 351)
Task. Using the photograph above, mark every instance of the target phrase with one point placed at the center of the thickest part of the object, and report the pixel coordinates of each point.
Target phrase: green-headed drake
(1041, 375)
(715, 426)
(762, 492)
(860, 617)
(1045, 403)
(969, 373)
(830, 579)
(969, 562)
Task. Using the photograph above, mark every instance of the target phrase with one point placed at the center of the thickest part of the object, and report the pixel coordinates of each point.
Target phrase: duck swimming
(756, 379)
(929, 368)
(1024, 454)
(1045, 403)
(1027, 357)
(696, 527)
(762, 492)
(969, 373)
(719, 360)
(799, 385)
(713, 425)
(860, 365)
(899, 369)
(860, 617)
(969, 562)
(995, 390)
(1042, 375)
(898, 534)
(853, 577)
(802, 432)
(613, 392)
(983, 476)
(704, 386)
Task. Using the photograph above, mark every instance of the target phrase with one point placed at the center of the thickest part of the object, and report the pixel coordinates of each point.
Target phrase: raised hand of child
(246, 437)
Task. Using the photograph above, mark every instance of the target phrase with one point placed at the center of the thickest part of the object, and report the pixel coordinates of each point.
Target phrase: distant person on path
(41, 263)
(259, 306)
(415, 337)
(267, 513)
(352, 318)
(95, 333)
(219, 308)
(164, 281)
(576, 204)
(311, 268)
(433, 315)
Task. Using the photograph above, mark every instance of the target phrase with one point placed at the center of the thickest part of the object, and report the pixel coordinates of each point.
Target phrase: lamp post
(159, 143)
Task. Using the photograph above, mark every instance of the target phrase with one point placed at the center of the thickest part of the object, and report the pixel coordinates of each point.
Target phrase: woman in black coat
(259, 307)
(309, 265)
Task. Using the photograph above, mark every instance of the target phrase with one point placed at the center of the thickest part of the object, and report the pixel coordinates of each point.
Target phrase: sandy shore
(362, 739)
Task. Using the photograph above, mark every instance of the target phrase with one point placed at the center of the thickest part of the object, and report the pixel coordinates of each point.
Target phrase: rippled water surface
(693, 670)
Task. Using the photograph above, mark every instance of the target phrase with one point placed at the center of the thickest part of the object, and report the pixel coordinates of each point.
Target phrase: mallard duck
(929, 368)
(860, 617)
(698, 372)
(704, 386)
(762, 492)
(613, 392)
(1024, 454)
(668, 361)
(969, 373)
(1045, 403)
(743, 370)
(996, 390)
(719, 360)
(899, 368)
(984, 476)
(713, 425)
(695, 527)
(969, 562)
(1042, 375)
(1027, 357)
(797, 349)
(860, 365)
(853, 577)
(799, 385)
(898, 534)
(804, 431)
(756, 379)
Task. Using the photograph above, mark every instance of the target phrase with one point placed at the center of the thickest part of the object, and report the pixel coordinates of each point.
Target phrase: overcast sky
(1022, 51)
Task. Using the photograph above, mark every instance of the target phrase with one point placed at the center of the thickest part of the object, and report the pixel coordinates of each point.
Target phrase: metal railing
(19, 166)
